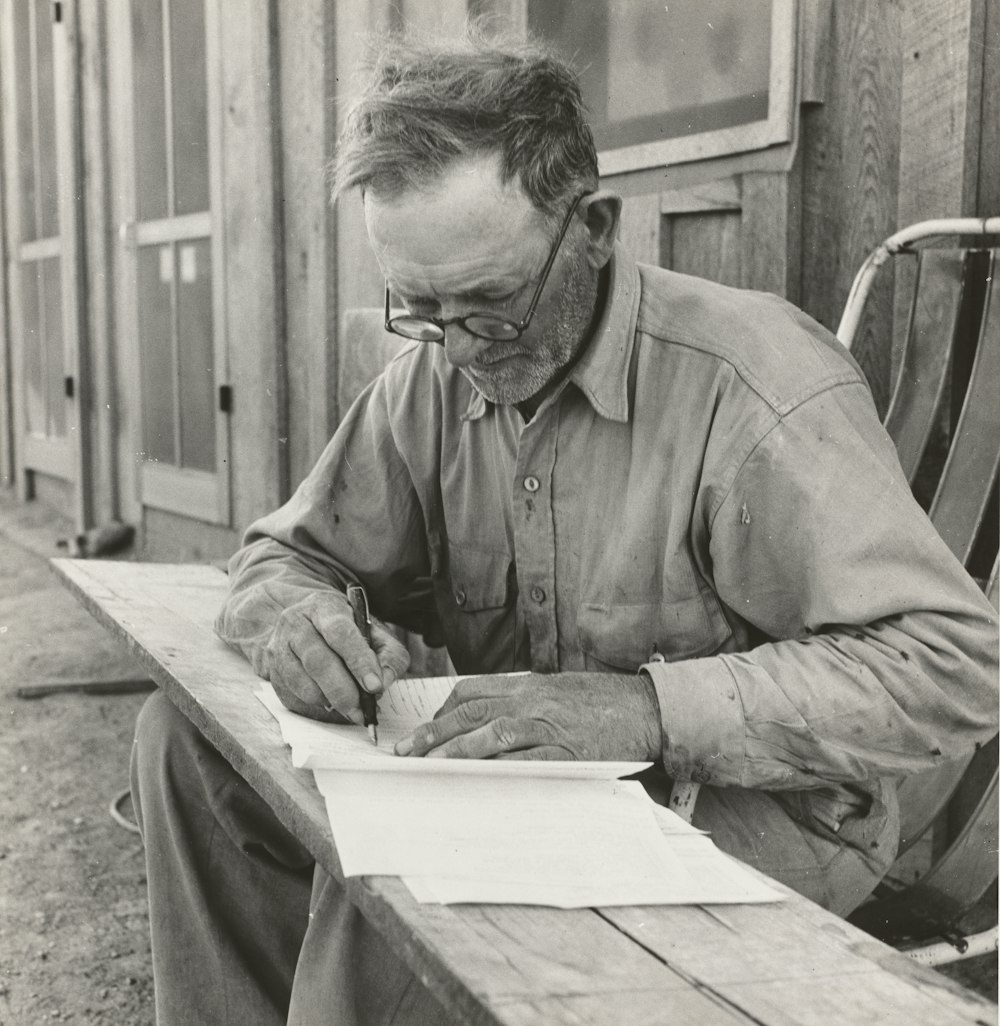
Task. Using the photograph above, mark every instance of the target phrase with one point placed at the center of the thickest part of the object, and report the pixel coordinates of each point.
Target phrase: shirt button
(531, 484)
(460, 597)
(538, 594)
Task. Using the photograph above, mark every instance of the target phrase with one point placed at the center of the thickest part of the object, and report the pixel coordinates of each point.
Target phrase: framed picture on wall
(673, 81)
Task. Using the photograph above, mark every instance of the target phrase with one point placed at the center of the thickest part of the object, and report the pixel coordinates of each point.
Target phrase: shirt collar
(601, 373)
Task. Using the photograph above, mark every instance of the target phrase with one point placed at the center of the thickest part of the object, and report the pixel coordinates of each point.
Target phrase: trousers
(246, 929)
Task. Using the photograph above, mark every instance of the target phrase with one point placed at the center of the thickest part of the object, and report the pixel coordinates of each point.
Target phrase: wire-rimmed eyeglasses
(482, 325)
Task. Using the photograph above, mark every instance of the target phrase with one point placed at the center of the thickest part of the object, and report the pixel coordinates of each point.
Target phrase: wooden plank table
(770, 965)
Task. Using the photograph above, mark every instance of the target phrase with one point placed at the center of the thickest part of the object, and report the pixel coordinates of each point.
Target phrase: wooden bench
(769, 965)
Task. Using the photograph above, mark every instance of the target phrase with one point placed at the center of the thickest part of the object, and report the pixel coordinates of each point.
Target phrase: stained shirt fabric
(708, 496)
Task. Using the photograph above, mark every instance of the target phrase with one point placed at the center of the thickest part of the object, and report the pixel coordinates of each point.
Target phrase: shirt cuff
(701, 718)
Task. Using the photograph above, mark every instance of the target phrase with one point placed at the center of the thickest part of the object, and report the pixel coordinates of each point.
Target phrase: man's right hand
(317, 657)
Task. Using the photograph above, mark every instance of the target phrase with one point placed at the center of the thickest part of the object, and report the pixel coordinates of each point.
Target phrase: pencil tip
(373, 733)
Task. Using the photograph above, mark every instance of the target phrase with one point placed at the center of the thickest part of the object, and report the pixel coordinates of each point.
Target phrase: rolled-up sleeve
(882, 658)
(356, 517)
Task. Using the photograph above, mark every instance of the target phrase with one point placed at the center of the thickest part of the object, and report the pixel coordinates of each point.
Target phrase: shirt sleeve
(884, 652)
(355, 518)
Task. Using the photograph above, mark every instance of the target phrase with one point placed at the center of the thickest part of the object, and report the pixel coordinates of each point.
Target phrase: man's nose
(461, 347)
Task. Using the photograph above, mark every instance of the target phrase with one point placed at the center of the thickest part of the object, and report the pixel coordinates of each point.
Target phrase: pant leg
(229, 887)
(348, 975)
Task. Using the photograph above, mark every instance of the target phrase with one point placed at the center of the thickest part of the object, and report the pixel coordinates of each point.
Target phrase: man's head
(469, 157)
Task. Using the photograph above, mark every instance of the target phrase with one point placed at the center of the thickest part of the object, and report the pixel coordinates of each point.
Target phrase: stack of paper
(568, 834)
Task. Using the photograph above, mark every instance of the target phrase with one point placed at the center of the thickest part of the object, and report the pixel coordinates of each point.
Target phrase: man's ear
(601, 212)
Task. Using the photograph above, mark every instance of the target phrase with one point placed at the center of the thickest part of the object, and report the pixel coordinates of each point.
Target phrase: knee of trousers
(168, 756)
(180, 783)
(164, 737)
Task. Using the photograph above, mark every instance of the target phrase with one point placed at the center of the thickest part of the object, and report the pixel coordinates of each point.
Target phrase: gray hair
(429, 104)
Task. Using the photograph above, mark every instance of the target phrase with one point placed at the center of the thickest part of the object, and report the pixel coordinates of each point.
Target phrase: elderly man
(671, 501)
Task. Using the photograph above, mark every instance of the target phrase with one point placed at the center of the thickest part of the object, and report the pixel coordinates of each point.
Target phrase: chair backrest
(970, 294)
(944, 418)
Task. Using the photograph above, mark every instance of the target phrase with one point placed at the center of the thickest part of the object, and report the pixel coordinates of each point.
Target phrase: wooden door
(39, 100)
(170, 305)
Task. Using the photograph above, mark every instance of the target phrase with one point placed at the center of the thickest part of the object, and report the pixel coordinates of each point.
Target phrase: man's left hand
(599, 716)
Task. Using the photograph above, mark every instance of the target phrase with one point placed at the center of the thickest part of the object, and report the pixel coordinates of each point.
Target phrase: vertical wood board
(72, 262)
(707, 245)
(98, 278)
(988, 199)
(942, 77)
(359, 280)
(850, 157)
(125, 374)
(7, 472)
(9, 86)
(307, 128)
(770, 232)
(255, 329)
(640, 227)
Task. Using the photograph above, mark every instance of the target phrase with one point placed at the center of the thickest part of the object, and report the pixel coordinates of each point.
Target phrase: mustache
(494, 360)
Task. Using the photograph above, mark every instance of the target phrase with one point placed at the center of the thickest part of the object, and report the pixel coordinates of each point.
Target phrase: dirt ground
(74, 943)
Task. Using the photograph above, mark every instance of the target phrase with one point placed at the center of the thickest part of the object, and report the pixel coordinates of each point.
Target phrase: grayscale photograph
(499, 512)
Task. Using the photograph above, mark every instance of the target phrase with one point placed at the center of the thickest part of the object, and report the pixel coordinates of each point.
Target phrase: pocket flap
(479, 578)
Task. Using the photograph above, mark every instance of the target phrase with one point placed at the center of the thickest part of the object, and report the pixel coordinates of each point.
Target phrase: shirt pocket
(475, 596)
(622, 637)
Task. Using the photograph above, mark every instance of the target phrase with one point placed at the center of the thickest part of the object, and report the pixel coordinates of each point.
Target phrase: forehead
(466, 230)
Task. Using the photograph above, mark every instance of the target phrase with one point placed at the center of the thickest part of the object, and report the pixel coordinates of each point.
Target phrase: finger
(344, 638)
(393, 657)
(468, 716)
(314, 712)
(494, 738)
(326, 670)
(296, 687)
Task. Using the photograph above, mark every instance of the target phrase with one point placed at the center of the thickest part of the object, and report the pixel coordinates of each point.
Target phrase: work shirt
(708, 495)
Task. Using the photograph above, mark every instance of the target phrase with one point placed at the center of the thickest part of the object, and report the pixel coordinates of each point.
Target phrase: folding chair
(945, 404)
(944, 419)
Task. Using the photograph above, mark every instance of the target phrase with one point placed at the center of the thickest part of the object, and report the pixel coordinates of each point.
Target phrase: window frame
(776, 129)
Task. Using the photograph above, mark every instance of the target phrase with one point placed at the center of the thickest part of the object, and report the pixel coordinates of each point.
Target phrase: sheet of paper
(711, 877)
(404, 706)
(502, 836)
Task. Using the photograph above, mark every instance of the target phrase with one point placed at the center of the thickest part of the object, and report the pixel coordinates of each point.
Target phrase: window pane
(187, 48)
(197, 371)
(48, 177)
(661, 71)
(156, 272)
(34, 355)
(23, 60)
(51, 292)
(150, 109)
